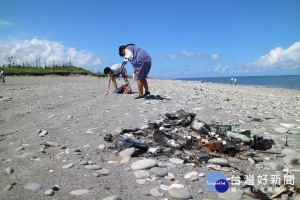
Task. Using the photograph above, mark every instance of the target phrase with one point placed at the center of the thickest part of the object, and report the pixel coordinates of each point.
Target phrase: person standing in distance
(2, 75)
(141, 62)
(235, 81)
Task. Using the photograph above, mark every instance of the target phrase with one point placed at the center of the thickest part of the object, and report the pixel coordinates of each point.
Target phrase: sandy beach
(77, 116)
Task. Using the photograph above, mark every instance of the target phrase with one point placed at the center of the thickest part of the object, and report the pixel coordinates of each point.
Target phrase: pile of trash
(181, 131)
(182, 135)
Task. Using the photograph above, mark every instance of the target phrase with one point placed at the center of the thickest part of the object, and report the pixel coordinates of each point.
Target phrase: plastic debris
(165, 139)
(201, 127)
(239, 136)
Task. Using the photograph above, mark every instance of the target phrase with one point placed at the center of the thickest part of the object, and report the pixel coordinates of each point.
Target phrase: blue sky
(186, 38)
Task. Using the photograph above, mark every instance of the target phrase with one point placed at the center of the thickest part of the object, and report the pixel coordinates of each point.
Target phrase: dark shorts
(118, 75)
(144, 70)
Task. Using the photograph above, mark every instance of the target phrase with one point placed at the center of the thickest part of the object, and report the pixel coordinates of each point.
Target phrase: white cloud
(286, 58)
(44, 51)
(224, 69)
(173, 56)
(228, 70)
(4, 23)
(214, 56)
(200, 56)
(191, 54)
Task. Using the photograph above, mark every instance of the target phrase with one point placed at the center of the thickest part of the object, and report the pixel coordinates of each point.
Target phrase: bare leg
(114, 82)
(126, 81)
(145, 84)
(140, 86)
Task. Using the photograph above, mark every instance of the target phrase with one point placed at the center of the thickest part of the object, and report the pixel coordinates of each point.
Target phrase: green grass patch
(64, 70)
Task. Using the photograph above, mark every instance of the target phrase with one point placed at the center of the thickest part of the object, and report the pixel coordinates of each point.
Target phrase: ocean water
(287, 81)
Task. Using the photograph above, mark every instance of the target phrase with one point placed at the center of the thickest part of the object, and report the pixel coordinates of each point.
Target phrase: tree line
(11, 62)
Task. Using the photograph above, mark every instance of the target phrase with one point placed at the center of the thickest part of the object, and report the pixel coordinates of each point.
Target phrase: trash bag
(121, 89)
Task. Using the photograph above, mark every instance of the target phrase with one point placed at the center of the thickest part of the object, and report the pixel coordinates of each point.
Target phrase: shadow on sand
(155, 97)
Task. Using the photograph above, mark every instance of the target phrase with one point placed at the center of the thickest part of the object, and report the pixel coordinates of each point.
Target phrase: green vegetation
(57, 70)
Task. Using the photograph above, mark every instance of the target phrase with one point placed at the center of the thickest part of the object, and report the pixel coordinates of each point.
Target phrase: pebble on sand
(79, 192)
(49, 192)
(9, 170)
(103, 171)
(169, 165)
(158, 171)
(127, 152)
(84, 162)
(144, 164)
(33, 186)
(180, 193)
(219, 161)
(125, 160)
(139, 174)
(8, 187)
(231, 195)
(43, 133)
(176, 160)
(20, 148)
(288, 151)
(93, 167)
(53, 144)
(113, 197)
(291, 159)
(68, 166)
(141, 181)
(101, 147)
(154, 192)
(277, 166)
(281, 130)
(190, 175)
(289, 126)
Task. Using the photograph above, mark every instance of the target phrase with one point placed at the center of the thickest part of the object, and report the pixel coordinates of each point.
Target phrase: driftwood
(211, 153)
(238, 169)
(130, 130)
(268, 152)
(278, 191)
(252, 192)
(217, 167)
(241, 157)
